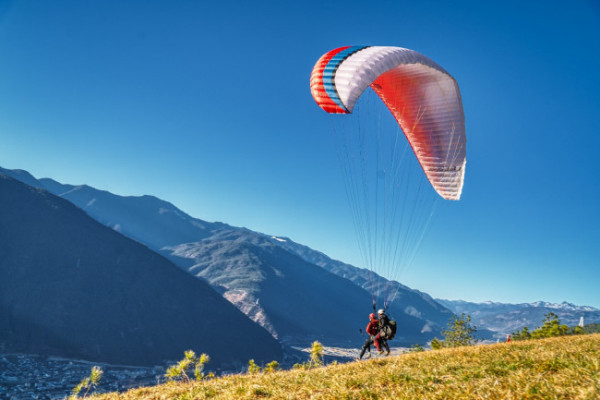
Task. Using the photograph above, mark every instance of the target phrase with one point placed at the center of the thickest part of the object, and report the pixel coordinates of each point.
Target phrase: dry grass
(556, 368)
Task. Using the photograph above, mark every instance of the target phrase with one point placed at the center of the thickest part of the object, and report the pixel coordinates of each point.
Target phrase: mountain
(297, 301)
(241, 274)
(407, 301)
(71, 287)
(505, 318)
(147, 219)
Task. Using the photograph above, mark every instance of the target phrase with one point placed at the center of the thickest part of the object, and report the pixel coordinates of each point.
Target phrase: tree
(459, 332)
(576, 330)
(591, 328)
(550, 328)
(523, 334)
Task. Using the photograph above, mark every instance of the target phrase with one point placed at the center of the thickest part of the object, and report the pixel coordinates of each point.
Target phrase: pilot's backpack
(389, 330)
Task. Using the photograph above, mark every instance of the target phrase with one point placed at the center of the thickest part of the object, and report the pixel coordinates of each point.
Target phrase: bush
(436, 344)
(272, 367)
(179, 371)
(316, 357)
(252, 367)
(415, 348)
(316, 353)
(88, 383)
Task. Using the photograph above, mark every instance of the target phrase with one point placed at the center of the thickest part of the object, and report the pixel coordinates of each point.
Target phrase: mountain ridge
(71, 287)
(505, 318)
(420, 316)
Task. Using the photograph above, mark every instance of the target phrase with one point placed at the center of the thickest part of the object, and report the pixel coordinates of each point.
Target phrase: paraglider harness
(388, 329)
(387, 326)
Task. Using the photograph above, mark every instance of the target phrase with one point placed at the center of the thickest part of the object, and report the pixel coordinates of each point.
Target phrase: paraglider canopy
(423, 98)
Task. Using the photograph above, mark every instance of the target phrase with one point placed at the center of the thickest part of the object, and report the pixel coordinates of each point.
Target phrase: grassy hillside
(556, 368)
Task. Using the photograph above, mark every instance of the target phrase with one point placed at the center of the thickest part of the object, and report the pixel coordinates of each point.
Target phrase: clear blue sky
(207, 105)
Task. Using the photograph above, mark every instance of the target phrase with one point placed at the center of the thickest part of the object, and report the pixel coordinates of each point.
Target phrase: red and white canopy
(423, 98)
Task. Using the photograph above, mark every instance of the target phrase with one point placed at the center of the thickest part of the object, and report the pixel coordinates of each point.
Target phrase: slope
(71, 287)
(297, 301)
(556, 368)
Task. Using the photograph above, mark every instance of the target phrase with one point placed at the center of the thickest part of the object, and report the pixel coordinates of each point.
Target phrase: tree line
(460, 331)
(552, 327)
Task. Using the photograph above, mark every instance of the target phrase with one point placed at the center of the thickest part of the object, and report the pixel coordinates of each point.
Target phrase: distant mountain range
(71, 287)
(507, 318)
(297, 293)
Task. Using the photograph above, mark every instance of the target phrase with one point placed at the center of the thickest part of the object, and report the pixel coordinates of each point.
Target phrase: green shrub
(316, 353)
(436, 344)
(272, 367)
(252, 367)
(179, 371)
(88, 383)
